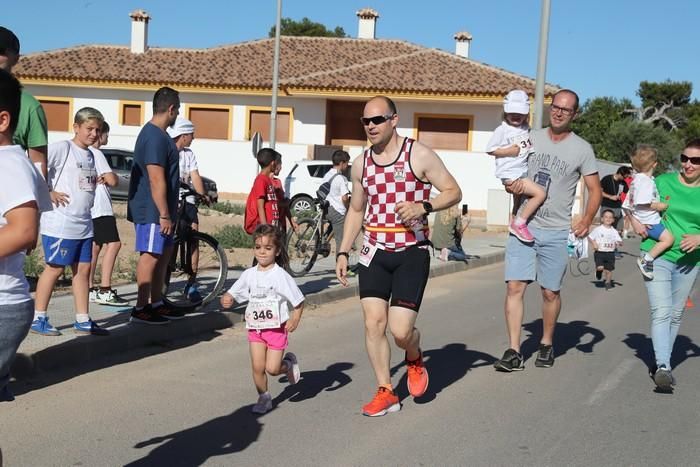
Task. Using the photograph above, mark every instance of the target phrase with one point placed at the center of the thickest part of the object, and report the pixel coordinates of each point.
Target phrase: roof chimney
(139, 31)
(368, 23)
(463, 40)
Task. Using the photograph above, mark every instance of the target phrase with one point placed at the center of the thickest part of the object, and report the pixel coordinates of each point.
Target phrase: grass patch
(33, 264)
(228, 208)
(233, 236)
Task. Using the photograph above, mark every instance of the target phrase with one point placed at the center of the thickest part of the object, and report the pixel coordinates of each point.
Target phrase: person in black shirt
(613, 185)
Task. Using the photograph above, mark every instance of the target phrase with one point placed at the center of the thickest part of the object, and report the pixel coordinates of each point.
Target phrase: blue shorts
(150, 240)
(65, 252)
(543, 261)
(655, 231)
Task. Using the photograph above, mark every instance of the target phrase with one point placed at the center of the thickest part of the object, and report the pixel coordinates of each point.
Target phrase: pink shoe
(444, 254)
(522, 232)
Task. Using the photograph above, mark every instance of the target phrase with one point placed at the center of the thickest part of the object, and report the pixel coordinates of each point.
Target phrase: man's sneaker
(663, 378)
(416, 376)
(522, 232)
(545, 356)
(598, 275)
(264, 404)
(646, 267)
(109, 297)
(511, 361)
(293, 371)
(146, 316)
(385, 401)
(42, 326)
(89, 327)
(168, 313)
(444, 254)
(192, 292)
(92, 295)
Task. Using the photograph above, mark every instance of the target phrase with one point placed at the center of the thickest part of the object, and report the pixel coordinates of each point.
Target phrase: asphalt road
(189, 404)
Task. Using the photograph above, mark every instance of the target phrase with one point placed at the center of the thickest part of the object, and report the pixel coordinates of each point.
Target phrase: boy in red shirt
(261, 205)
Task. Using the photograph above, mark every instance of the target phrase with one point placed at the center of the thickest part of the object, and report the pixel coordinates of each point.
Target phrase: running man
(394, 182)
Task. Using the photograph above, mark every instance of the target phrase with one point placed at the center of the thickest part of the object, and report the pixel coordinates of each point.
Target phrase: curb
(128, 337)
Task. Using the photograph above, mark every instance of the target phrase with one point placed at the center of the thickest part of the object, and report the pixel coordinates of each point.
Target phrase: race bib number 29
(367, 253)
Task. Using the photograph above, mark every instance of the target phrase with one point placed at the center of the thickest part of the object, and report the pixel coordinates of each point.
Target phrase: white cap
(516, 102)
(182, 126)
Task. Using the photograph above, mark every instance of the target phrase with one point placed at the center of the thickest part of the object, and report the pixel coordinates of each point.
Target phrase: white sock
(648, 257)
(39, 314)
(82, 317)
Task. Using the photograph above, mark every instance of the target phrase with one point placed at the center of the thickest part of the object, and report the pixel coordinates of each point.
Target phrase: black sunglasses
(377, 120)
(693, 160)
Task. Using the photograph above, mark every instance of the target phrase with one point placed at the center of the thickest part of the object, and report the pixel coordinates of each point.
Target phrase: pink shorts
(275, 339)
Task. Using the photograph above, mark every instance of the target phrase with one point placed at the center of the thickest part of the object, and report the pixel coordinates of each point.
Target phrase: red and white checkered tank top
(387, 185)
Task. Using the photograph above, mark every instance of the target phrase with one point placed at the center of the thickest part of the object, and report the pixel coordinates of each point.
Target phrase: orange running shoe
(384, 401)
(417, 376)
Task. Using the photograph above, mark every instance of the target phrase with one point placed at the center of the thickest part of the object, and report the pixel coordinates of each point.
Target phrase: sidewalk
(320, 286)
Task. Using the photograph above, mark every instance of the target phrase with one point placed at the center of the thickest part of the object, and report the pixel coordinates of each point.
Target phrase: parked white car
(303, 181)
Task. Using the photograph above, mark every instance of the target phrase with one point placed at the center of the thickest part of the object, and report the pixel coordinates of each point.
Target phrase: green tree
(624, 135)
(306, 27)
(654, 94)
(596, 117)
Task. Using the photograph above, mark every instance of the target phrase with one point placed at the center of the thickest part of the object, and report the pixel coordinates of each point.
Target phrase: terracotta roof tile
(305, 63)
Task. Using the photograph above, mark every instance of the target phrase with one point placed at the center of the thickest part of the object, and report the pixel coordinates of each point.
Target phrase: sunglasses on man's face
(377, 119)
(693, 160)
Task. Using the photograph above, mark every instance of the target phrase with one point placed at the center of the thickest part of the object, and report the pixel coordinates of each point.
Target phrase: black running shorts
(397, 277)
(105, 230)
(605, 259)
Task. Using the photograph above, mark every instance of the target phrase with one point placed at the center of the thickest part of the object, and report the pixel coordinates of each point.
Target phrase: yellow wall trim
(142, 106)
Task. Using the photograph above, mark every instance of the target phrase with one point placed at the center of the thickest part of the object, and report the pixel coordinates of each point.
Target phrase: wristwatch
(428, 207)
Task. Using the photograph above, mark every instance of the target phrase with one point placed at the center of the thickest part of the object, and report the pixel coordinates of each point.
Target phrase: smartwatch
(428, 207)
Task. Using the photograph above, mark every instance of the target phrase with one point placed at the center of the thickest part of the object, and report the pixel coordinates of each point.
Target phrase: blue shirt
(153, 146)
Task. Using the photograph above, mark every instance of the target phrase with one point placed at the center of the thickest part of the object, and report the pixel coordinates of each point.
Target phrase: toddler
(605, 239)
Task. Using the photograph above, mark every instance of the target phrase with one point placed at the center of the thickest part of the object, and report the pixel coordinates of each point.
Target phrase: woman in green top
(675, 271)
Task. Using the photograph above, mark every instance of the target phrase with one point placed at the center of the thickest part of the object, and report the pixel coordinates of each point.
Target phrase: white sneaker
(444, 254)
(92, 296)
(264, 403)
(293, 371)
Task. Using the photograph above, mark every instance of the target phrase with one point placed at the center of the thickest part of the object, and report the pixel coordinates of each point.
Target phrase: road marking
(612, 381)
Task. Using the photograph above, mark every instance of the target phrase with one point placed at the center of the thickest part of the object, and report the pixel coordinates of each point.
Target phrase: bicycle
(310, 239)
(211, 269)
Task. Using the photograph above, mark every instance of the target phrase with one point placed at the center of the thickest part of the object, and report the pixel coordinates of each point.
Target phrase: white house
(446, 100)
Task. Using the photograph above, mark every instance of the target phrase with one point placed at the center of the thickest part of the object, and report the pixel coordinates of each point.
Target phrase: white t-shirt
(188, 164)
(73, 171)
(252, 281)
(511, 168)
(103, 198)
(339, 188)
(21, 182)
(642, 191)
(606, 237)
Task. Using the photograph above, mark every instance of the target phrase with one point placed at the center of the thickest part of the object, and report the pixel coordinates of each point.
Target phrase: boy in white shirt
(106, 235)
(510, 145)
(66, 232)
(605, 239)
(642, 202)
(23, 196)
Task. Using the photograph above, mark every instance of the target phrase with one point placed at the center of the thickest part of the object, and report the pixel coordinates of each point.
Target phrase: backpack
(325, 188)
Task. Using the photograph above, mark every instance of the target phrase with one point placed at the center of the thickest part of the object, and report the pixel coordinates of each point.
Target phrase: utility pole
(275, 76)
(541, 65)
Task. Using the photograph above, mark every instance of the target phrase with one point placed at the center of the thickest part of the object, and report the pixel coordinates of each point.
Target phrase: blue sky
(596, 47)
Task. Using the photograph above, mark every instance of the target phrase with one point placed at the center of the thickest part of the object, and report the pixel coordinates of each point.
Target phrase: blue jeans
(456, 253)
(668, 293)
(15, 320)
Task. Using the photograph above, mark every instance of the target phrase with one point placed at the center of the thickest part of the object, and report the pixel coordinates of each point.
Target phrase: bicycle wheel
(211, 271)
(302, 247)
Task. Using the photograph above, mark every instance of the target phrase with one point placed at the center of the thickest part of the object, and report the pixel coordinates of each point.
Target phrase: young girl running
(267, 288)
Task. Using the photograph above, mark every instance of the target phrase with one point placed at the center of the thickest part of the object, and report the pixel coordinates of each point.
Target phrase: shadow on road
(683, 349)
(445, 367)
(313, 382)
(194, 446)
(566, 337)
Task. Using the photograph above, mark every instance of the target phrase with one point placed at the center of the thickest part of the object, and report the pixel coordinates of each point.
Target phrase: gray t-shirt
(558, 167)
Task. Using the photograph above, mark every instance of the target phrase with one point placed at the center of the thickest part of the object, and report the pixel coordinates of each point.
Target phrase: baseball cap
(8, 40)
(516, 102)
(182, 126)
